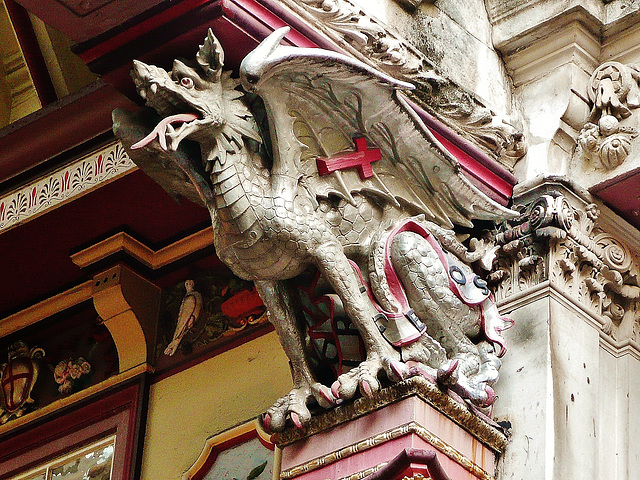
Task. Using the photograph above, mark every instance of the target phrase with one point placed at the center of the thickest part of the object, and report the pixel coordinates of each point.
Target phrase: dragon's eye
(186, 82)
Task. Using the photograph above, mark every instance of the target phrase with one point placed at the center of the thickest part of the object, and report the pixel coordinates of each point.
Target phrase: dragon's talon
(420, 369)
(366, 389)
(266, 422)
(491, 396)
(294, 406)
(335, 389)
(398, 370)
(295, 418)
(447, 373)
(323, 395)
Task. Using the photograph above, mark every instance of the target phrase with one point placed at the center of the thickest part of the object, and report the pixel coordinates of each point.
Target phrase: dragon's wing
(178, 172)
(318, 101)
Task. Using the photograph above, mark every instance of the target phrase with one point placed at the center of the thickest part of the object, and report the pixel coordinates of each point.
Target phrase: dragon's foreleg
(330, 259)
(306, 389)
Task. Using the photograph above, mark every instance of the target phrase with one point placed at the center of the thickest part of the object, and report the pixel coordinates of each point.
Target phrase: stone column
(569, 276)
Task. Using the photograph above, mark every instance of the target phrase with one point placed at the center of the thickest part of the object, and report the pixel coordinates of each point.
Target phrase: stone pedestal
(413, 421)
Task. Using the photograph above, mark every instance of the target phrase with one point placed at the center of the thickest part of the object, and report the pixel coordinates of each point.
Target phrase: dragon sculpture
(287, 193)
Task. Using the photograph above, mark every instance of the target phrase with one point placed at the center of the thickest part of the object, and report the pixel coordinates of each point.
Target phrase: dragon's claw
(323, 395)
(295, 418)
(294, 406)
(364, 377)
(447, 374)
(422, 370)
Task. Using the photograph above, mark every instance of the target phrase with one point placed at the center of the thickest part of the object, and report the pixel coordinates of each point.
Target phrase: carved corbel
(128, 306)
(564, 244)
(614, 92)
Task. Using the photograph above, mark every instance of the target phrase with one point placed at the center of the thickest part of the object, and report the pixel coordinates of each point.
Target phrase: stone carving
(555, 241)
(291, 194)
(345, 22)
(614, 92)
(411, 5)
(190, 310)
(17, 379)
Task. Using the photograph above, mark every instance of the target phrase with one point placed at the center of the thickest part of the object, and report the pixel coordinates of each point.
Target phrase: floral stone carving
(563, 244)
(293, 195)
(614, 92)
(17, 379)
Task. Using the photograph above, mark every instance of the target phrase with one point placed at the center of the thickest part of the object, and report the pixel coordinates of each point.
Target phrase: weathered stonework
(608, 138)
(560, 240)
(374, 43)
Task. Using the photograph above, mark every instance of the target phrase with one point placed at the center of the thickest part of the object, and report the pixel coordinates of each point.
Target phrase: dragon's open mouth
(166, 126)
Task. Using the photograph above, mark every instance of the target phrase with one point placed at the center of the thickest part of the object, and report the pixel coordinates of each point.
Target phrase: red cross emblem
(361, 159)
(17, 381)
(17, 378)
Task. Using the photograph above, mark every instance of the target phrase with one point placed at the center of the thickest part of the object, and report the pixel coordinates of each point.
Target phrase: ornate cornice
(458, 412)
(64, 185)
(372, 42)
(566, 244)
(371, 442)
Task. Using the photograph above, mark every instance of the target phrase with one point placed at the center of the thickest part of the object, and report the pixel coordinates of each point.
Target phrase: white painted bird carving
(190, 310)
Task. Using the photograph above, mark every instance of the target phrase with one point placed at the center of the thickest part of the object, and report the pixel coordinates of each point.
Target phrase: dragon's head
(188, 96)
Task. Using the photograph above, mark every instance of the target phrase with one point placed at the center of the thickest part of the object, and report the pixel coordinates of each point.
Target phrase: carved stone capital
(562, 240)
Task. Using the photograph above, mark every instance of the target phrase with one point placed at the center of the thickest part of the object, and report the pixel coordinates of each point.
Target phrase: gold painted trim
(46, 308)
(401, 431)
(76, 397)
(223, 437)
(122, 242)
(365, 473)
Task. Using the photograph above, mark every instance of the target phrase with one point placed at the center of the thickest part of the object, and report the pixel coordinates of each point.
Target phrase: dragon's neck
(239, 182)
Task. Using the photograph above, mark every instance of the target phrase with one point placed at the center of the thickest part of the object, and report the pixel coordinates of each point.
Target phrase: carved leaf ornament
(557, 242)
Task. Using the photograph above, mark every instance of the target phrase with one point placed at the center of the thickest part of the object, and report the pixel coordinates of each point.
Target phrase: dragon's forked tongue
(161, 127)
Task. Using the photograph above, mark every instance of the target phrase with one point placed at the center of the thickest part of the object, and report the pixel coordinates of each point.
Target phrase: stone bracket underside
(374, 43)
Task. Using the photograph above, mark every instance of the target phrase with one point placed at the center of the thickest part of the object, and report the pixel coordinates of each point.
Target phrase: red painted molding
(64, 124)
(119, 412)
(409, 462)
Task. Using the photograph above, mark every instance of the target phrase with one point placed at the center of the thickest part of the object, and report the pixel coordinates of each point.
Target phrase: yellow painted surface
(191, 406)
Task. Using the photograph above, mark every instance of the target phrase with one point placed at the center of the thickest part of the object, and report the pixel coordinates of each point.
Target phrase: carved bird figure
(190, 310)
